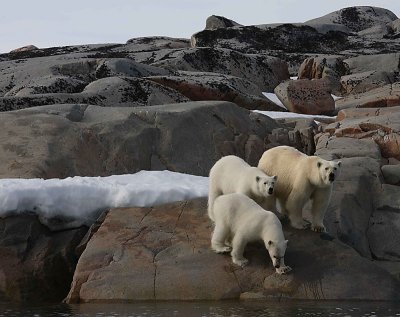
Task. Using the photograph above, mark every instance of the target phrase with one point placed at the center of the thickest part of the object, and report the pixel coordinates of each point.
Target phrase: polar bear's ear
(275, 177)
(257, 178)
(319, 164)
(339, 163)
(270, 242)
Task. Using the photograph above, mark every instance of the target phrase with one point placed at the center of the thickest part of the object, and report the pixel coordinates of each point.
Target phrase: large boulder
(366, 81)
(306, 96)
(36, 264)
(68, 140)
(163, 253)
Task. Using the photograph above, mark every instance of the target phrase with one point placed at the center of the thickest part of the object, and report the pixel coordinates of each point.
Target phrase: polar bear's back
(287, 163)
(226, 172)
(242, 214)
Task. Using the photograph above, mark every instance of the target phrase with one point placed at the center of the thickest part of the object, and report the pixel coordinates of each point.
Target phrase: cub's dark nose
(331, 177)
(270, 191)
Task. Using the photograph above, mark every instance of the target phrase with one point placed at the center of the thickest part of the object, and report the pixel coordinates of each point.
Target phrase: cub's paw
(318, 228)
(241, 262)
(283, 269)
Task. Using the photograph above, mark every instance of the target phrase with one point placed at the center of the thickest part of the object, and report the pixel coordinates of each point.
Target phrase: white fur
(240, 220)
(301, 178)
(231, 174)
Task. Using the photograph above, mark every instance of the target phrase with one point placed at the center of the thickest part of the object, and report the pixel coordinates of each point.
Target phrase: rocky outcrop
(139, 253)
(26, 48)
(214, 86)
(215, 22)
(35, 263)
(67, 140)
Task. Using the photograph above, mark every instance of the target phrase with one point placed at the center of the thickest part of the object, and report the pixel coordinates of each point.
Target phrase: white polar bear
(240, 220)
(301, 178)
(231, 174)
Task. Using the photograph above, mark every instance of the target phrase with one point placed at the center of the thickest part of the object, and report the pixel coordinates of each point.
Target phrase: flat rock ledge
(163, 253)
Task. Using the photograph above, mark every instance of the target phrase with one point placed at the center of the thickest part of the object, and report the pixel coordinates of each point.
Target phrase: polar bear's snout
(331, 177)
(270, 190)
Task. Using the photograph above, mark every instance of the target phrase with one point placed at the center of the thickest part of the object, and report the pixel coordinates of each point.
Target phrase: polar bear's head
(266, 184)
(276, 250)
(328, 171)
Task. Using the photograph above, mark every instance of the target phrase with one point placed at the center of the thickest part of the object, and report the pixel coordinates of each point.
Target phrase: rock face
(163, 253)
(306, 96)
(67, 140)
(215, 22)
(35, 263)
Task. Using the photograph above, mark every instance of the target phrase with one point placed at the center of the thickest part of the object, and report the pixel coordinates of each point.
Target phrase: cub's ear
(275, 177)
(319, 164)
(257, 178)
(270, 242)
(339, 163)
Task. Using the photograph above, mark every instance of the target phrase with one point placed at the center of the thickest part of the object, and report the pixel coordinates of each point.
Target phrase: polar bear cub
(301, 178)
(240, 220)
(231, 174)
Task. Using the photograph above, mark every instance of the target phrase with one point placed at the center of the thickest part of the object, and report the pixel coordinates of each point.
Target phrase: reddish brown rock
(163, 253)
(306, 96)
(386, 96)
(352, 113)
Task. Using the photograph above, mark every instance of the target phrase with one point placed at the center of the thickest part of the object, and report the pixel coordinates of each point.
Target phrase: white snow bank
(71, 202)
(271, 96)
(286, 115)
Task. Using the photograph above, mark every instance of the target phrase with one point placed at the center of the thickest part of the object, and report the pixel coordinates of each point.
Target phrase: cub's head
(328, 171)
(266, 184)
(276, 250)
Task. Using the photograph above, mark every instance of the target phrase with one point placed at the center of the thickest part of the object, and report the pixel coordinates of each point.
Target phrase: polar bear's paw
(222, 249)
(300, 224)
(241, 262)
(318, 228)
(283, 269)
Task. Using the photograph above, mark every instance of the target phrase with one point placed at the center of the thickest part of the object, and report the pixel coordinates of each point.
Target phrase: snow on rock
(76, 201)
(288, 115)
(271, 96)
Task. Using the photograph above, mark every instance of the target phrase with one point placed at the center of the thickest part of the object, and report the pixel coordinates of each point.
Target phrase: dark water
(215, 309)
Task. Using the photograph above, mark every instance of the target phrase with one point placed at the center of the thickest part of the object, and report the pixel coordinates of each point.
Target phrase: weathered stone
(67, 140)
(391, 173)
(24, 49)
(36, 264)
(215, 22)
(358, 18)
(322, 66)
(212, 86)
(137, 254)
(352, 113)
(379, 62)
(366, 81)
(383, 129)
(385, 225)
(394, 27)
(264, 71)
(306, 96)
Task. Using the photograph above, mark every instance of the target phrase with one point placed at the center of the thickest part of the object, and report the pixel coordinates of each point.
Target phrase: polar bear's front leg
(218, 239)
(294, 206)
(238, 246)
(283, 269)
(320, 201)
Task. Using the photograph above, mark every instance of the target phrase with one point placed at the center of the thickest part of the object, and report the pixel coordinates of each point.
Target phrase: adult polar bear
(240, 220)
(301, 177)
(231, 174)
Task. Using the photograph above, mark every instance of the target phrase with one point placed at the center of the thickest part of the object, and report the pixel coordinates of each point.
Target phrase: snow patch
(75, 201)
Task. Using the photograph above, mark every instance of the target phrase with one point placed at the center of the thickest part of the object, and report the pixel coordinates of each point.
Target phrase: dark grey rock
(36, 265)
(215, 22)
(391, 173)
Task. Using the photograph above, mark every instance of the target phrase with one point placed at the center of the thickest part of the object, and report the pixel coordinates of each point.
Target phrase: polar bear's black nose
(270, 191)
(277, 266)
(331, 177)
